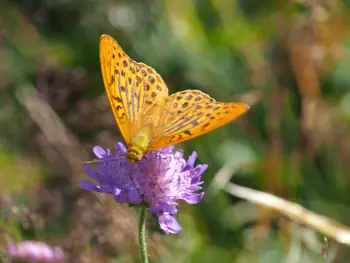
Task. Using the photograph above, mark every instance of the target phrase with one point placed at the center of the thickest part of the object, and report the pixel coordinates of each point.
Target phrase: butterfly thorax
(139, 145)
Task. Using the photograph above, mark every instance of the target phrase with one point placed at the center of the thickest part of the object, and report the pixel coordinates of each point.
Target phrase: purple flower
(158, 180)
(35, 251)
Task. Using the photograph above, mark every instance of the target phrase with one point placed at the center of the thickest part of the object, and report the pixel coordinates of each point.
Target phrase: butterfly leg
(105, 159)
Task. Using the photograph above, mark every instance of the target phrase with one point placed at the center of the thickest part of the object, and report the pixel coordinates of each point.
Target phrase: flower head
(159, 180)
(35, 251)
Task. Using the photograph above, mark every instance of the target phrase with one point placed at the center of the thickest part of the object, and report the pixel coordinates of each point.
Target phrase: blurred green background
(288, 59)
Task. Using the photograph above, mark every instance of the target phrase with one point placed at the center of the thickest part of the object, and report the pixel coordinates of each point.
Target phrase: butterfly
(148, 118)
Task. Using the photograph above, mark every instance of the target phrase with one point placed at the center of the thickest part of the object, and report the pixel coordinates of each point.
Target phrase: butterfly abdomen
(139, 145)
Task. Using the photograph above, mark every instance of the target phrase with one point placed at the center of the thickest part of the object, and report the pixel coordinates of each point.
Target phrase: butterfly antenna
(105, 159)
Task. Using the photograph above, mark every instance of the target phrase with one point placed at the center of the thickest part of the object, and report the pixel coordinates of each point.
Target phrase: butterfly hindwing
(192, 113)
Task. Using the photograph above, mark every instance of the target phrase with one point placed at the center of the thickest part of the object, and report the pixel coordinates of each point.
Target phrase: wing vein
(179, 121)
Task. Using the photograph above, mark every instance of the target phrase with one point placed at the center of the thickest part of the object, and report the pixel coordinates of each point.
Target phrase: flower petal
(134, 196)
(169, 224)
(88, 185)
(193, 198)
(35, 251)
(120, 148)
(92, 172)
(99, 151)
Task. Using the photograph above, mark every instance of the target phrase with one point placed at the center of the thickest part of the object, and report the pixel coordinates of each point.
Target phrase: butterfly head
(134, 154)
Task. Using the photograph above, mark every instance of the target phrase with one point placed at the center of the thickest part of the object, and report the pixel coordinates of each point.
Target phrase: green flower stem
(142, 235)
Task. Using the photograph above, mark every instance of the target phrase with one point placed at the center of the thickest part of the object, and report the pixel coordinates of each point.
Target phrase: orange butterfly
(147, 116)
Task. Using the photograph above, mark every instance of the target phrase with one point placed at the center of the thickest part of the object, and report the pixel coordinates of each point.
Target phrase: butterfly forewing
(192, 113)
(132, 88)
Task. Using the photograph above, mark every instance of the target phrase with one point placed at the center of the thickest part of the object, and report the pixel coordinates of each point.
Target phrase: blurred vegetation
(289, 59)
